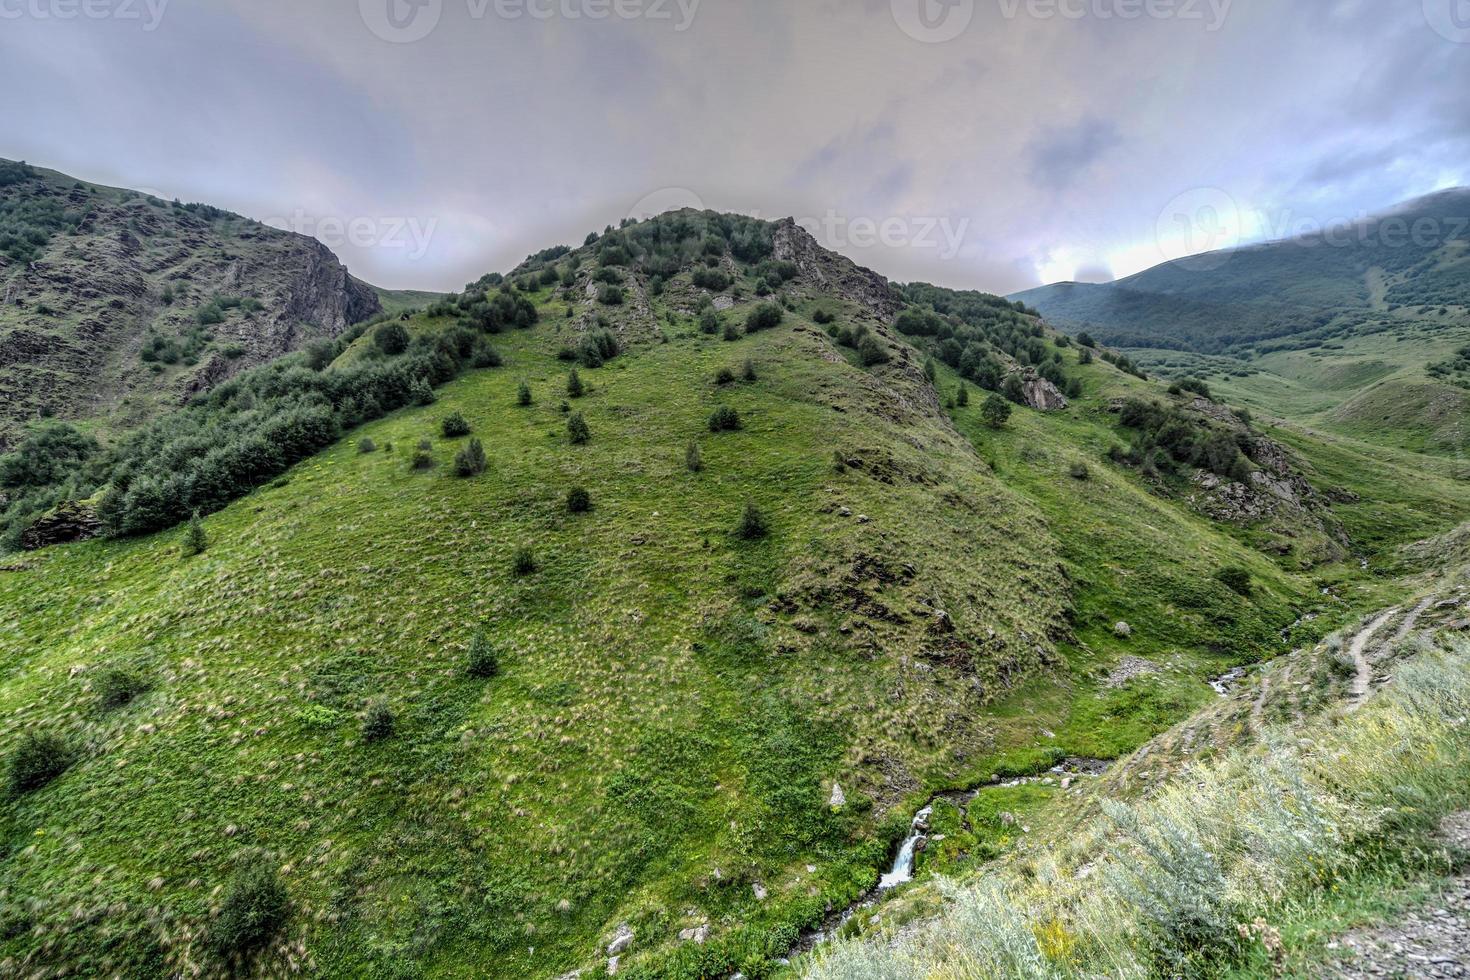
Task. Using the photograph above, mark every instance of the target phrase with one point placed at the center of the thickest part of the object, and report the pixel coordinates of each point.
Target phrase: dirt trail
(1363, 679)
(1433, 941)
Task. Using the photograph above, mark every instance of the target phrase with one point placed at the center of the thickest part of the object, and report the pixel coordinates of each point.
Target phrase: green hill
(1301, 328)
(671, 671)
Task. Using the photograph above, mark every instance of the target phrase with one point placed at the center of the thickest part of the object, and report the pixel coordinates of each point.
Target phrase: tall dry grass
(1182, 883)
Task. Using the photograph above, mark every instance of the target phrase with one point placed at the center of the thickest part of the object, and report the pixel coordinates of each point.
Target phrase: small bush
(523, 394)
(724, 419)
(871, 351)
(38, 759)
(454, 426)
(747, 371)
(709, 322)
(422, 460)
(962, 397)
(483, 661)
(523, 563)
(764, 317)
(1080, 471)
(116, 688)
(254, 909)
(724, 376)
(577, 430)
(693, 458)
(753, 524)
(1236, 579)
(390, 338)
(378, 723)
(421, 392)
(732, 331)
(822, 317)
(470, 461)
(995, 412)
(195, 540)
(575, 388)
(610, 296)
(366, 445)
(579, 501)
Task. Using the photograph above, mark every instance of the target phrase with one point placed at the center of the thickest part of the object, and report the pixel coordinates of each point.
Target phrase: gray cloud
(1061, 156)
(1055, 145)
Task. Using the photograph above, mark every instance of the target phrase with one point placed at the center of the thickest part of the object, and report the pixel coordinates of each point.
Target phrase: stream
(901, 872)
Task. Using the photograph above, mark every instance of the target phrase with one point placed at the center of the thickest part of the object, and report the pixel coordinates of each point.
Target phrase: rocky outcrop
(68, 522)
(83, 320)
(1042, 395)
(833, 274)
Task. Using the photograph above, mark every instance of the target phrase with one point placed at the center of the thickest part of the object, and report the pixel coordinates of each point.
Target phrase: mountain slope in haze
(1312, 287)
(1362, 330)
(440, 718)
(115, 306)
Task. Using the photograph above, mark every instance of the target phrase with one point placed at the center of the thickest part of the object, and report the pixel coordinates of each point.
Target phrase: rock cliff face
(113, 314)
(828, 272)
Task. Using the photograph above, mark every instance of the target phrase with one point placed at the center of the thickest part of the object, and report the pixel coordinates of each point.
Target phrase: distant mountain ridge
(115, 305)
(1416, 254)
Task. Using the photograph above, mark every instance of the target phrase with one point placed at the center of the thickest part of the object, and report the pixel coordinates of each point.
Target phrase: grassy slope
(655, 720)
(672, 702)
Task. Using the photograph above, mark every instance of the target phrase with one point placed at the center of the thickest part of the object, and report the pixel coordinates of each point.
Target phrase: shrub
(822, 317)
(523, 394)
(378, 723)
(523, 562)
(420, 392)
(254, 909)
(693, 458)
(366, 445)
(709, 322)
(747, 371)
(575, 388)
(712, 279)
(610, 295)
(579, 501)
(1236, 579)
(422, 460)
(38, 758)
(454, 426)
(764, 317)
(390, 338)
(871, 351)
(732, 331)
(962, 396)
(724, 419)
(1085, 339)
(577, 430)
(724, 376)
(1080, 471)
(752, 524)
(995, 412)
(470, 461)
(483, 661)
(116, 688)
(485, 356)
(195, 540)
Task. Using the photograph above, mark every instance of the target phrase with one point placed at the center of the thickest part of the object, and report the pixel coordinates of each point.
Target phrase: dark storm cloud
(1048, 146)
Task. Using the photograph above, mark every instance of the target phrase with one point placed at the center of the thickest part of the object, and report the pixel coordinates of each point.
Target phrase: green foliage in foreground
(1195, 880)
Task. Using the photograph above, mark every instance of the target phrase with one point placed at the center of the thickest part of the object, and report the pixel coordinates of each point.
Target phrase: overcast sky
(991, 144)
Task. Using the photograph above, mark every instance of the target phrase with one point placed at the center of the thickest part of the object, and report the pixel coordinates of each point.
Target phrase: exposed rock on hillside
(109, 317)
(67, 523)
(834, 274)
